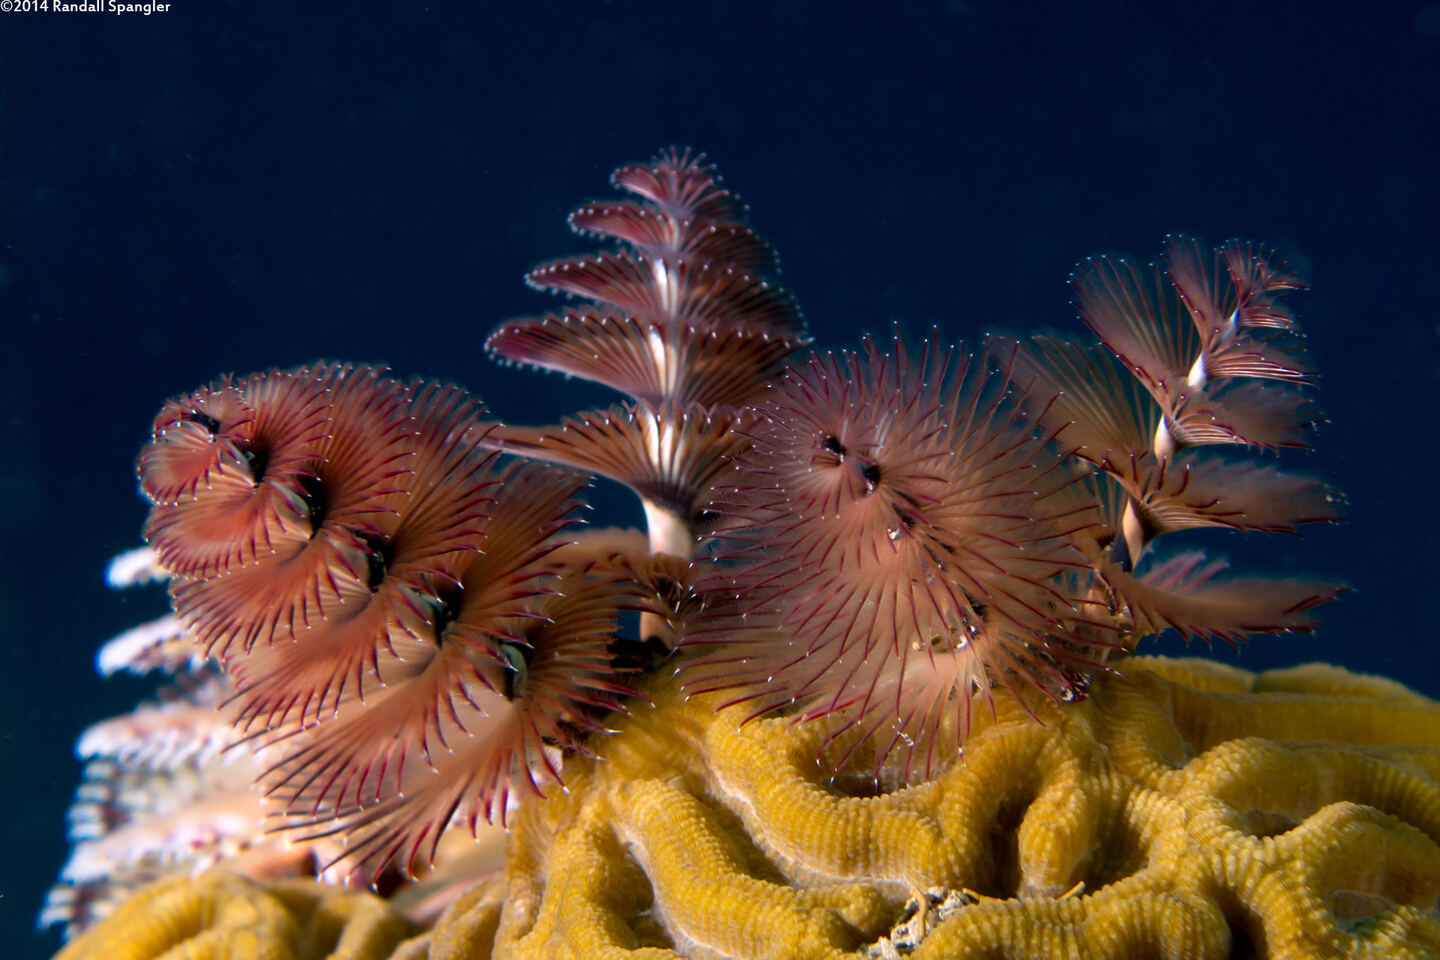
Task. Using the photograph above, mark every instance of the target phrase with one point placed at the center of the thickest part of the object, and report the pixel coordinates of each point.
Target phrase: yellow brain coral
(1186, 810)
(221, 916)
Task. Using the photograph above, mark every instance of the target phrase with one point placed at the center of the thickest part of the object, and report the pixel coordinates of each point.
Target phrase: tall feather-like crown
(686, 319)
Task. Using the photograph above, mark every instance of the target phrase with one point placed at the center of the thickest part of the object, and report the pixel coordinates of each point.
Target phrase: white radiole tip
(134, 649)
(134, 567)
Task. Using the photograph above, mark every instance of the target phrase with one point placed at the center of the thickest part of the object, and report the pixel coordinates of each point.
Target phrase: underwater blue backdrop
(226, 186)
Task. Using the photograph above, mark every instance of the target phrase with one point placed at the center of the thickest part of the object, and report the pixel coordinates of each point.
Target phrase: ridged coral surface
(221, 916)
(1186, 810)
